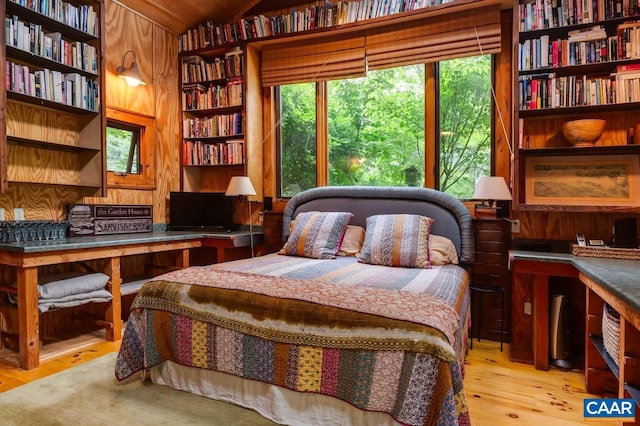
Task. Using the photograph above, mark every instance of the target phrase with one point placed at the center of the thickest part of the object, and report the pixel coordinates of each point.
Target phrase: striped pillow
(317, 234)
(397, 240)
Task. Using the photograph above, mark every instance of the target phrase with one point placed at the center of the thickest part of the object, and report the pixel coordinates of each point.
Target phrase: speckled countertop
(620, 277)
(239, 238)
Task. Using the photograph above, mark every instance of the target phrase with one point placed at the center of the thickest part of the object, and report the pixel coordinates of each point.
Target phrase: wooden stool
(491, 289)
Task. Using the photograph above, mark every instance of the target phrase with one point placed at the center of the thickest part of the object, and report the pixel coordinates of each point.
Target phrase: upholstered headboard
(451, 217)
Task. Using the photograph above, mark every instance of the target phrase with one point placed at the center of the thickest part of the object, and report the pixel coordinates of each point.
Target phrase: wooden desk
(27, 257)
(614, 280)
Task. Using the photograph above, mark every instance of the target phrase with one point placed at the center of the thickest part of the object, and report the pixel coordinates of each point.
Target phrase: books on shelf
(81, 17)
(544, 14)
(214, 126)
(195, 68)
(34, 39)
(70, 89)
(319, 15)
(199, 96)
(199, 153)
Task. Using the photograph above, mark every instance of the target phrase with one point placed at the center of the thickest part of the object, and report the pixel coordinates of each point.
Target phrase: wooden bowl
(583, 132)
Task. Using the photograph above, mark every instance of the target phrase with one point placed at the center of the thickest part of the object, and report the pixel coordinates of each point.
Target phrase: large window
(465, 123)
(376, 128)
(374, 133)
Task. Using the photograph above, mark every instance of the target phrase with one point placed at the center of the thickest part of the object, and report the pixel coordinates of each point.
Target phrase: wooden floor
(499, 392)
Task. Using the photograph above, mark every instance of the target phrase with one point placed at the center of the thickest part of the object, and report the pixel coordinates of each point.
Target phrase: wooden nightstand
(491, 270)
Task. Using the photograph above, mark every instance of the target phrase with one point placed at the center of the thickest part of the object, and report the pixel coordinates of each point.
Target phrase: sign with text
(609, 409)
(108, 219)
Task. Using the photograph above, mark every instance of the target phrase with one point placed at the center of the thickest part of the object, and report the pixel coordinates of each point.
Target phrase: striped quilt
(330, 326)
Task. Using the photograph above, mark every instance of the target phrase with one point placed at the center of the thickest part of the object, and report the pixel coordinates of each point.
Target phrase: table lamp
(490, 189)
(241, 186)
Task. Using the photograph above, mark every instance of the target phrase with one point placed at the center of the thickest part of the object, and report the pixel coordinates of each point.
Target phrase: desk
(28, 256)
(615, 281)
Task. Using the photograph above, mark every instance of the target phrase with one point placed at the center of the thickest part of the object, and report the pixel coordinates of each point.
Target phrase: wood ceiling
(179, 15)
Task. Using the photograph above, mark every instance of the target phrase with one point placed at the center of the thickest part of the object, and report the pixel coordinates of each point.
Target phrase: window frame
(146, 179)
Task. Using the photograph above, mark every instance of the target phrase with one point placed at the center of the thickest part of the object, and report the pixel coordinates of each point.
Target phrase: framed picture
(587, 180)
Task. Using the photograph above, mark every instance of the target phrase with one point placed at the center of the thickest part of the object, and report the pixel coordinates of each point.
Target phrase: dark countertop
(239, 239)
(621, 277)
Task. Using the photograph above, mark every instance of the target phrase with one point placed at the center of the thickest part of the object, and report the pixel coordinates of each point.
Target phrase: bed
(358, 320)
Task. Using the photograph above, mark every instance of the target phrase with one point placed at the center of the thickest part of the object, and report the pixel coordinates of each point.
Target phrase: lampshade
(492, 188)
(131, 74)
(240, 185)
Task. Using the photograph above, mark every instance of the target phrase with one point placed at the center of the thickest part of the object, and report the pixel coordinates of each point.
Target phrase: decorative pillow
(397, 240)
(442, 251)
(352, 241)
(317, 234)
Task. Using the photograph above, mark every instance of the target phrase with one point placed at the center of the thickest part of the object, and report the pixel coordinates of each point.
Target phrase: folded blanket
(66, 284)
(74, 300)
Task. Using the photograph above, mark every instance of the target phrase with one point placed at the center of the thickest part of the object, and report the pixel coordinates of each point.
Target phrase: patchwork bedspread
(335, 326)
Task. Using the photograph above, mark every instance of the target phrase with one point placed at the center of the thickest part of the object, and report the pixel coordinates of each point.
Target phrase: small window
(123, 148)
(130, 150)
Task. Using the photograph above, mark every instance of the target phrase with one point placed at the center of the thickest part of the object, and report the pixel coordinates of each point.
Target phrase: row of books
(31, 38)
(82, 17)
(595, 47)
(211, 127)
(319, 15)
(196, 69)
(549, 91)
(544, 14)
(198, 153)
(197, 96)
(69, 89)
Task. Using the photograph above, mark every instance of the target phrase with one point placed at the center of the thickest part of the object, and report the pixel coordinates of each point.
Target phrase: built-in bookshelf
(213, 107)
(52, 57)
(575, 59)
(295, 20)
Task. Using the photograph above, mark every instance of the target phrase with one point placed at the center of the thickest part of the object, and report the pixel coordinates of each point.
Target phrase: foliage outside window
(297, 138)
(123, 148)
(131, 145)
(465, 123)
(376, 128)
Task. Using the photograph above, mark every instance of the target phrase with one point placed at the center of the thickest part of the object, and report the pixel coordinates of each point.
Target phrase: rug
(89, 394)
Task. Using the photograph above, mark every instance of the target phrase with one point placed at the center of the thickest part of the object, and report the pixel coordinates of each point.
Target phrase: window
(465, 123)
(130, 150)
(297, 138)
(123, 148)
(376, 128)
(376, 133)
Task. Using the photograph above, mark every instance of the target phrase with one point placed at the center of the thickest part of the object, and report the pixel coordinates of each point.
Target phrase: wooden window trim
(147, 178)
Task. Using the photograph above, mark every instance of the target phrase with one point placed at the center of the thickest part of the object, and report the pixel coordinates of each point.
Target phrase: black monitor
(207, 211)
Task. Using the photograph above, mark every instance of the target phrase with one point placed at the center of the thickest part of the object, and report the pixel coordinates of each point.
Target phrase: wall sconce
(490, 190)
(131, 74)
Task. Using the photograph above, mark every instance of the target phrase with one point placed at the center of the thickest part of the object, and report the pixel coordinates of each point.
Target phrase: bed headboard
(451, 217)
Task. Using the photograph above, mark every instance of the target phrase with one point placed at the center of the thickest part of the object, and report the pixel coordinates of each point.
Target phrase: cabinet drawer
(490, 225)
(489, 236)
(489, 269)
(500, 280)
(491, 247)
(491, 259)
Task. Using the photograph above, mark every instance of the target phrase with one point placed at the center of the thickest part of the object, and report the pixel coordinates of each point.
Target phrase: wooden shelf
(50, 145)
(214, 111)
(590, 150)
(57, 106)
(578, 110)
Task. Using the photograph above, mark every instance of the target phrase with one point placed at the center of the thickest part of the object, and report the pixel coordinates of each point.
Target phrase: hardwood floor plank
(499, 392)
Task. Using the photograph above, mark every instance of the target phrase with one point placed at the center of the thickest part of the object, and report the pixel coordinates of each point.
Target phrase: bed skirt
(281, 405)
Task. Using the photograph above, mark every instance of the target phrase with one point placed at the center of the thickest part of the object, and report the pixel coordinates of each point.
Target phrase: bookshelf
(215, 118)
(53, 128)
(575, 60)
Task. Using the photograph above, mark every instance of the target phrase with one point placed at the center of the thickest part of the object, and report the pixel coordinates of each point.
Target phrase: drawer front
(491, 247)
(490, 225)
(492, 259)
(490, 236)
(489, 269)
(500, 280)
